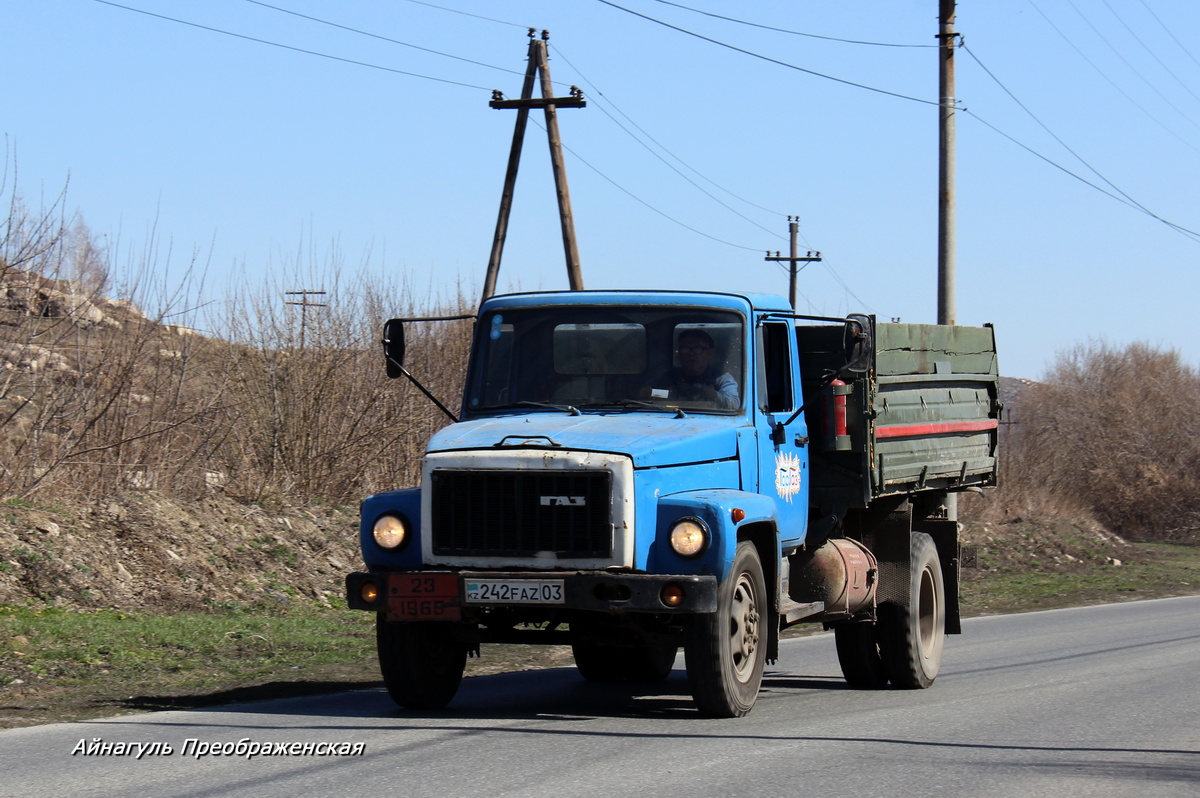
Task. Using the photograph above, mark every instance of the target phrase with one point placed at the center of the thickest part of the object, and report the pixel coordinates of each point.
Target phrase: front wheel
(725, 651)
(911, 638)
(422, 663)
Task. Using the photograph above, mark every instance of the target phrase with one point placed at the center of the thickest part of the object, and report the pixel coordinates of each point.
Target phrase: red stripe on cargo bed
(909, 430)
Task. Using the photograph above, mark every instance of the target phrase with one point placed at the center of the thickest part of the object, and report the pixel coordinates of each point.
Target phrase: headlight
(390, 531)
(689, 537)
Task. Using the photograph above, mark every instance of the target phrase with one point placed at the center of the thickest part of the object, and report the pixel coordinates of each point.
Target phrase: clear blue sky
(255, 157)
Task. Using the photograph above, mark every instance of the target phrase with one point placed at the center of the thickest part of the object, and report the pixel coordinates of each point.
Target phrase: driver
(695, 379)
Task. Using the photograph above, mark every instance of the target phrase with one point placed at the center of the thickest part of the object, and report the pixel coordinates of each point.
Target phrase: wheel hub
(743, 629)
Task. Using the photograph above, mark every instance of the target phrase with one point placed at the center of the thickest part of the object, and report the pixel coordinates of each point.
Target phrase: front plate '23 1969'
(424, 597)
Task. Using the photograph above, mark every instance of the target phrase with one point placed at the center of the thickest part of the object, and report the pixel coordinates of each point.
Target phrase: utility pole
(947, 302)
(304, 306)
(538, 65)
(947, 39)
(794, 259)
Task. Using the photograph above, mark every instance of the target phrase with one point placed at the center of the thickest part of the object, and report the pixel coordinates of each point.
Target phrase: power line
(666, 163)
(1123, 198)
(381, 38)
(1131, 203)
(1170, 33)
(785, 30)
(1150, 50)
(1034, 117)
(468, 14)
(290, 47)
(596, 91)
(842, 283)
(768, 59)
(663, 214)
(1109, 80)
(1125, 61)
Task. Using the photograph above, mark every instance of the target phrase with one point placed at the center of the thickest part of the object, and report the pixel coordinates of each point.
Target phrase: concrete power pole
(947, 38)
(794, 258)
(947, 302)
(538, 65)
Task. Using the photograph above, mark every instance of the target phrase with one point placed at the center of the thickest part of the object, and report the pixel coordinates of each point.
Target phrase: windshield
(575, 358)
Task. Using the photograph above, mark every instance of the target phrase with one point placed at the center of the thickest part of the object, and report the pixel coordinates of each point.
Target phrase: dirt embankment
(1046, 546)
(145, 552)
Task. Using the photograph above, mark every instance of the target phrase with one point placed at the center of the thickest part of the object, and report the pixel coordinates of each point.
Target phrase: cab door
(781, 432)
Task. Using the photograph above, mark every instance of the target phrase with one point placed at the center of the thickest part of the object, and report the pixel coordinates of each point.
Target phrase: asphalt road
(1095, 701)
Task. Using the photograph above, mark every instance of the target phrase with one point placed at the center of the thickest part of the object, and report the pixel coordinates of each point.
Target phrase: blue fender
(404, 503)
(715, 508)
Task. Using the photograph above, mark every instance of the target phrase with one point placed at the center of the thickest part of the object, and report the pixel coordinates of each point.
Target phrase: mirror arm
(423, 389)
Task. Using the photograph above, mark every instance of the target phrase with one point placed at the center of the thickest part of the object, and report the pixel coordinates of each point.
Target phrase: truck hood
(652, 440)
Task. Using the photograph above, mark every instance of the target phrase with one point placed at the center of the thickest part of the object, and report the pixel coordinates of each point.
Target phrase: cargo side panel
(924, 417)
(935, 412)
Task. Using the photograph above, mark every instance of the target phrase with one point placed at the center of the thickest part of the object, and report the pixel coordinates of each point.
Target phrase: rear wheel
(597, 663)
(911, 638)
(651, 662)
(725, 651)
(422, 663)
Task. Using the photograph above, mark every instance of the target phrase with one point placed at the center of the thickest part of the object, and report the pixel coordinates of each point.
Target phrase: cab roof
(732, 300)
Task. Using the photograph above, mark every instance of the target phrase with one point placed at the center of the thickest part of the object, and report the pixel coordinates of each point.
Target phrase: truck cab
(633, 473)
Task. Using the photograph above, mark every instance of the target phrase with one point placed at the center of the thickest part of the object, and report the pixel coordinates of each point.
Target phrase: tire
(422, 664)
(646, 663)
(858, 655)
(650, 663)
(726, 650)
(597, 663)
(911, 638)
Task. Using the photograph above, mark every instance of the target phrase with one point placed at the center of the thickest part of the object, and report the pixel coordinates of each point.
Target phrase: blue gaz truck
(635, 473)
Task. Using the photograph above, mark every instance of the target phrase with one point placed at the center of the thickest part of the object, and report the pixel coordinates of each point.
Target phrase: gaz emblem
(564, 501)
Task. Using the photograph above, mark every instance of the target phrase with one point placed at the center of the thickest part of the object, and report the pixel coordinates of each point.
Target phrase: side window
(777, 367)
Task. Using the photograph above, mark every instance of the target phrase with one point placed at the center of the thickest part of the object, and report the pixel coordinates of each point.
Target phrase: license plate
(514, 591)
(424, 597)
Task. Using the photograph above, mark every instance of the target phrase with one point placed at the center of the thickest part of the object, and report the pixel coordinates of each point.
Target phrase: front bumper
(441, 595)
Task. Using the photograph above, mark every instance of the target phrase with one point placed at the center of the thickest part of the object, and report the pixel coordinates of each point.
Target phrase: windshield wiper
(636, 403)
(569, 409)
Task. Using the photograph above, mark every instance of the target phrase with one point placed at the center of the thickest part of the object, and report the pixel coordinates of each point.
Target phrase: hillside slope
(146, 552)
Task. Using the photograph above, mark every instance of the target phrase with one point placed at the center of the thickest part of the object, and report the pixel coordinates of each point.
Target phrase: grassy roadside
(58, 665)
(1157, 570)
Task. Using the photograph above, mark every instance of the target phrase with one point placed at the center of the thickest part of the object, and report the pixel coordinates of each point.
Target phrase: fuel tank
(841, 573)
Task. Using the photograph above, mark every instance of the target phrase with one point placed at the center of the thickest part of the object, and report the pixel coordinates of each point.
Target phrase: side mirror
(393, 347)
(858, 343)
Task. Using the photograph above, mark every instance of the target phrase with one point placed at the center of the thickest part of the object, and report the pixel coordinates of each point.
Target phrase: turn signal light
(671, 595)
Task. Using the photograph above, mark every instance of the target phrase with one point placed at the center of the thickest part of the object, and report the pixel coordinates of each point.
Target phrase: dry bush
(314, 412)
(97, 399)
(1112, 432)
(82, 380)
(94, 397)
